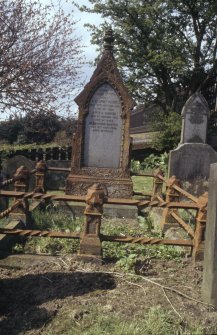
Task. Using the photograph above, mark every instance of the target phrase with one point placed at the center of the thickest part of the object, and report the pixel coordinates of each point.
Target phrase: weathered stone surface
(209, 286)
(103, 126)
(191, 161)
(101, 145)
(195, 115)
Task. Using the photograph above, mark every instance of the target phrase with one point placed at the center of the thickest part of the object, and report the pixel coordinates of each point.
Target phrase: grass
(126, 255)
(54, 219)
(98, 322)
(142, 184)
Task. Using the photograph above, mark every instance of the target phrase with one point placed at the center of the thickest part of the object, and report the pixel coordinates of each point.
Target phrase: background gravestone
(195, 115)
(101, 145)
(190, 161)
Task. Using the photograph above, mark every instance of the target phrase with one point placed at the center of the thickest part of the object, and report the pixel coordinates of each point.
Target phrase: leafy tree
(163, 47)
(40, 127)
(170, 131)
(39, 57)
(10, 129)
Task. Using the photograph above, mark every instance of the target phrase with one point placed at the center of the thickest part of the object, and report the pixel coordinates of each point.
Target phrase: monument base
(116, 187)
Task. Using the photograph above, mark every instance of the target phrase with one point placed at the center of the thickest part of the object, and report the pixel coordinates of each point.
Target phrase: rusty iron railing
(91, 238)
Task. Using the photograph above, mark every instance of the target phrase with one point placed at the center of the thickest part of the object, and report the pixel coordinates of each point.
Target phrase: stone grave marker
(101, 145)
(103, 129)
(195, 115)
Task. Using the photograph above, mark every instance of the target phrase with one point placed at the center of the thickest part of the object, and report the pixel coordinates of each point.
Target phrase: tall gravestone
(101, 145)
(191, 160)
(195, 115)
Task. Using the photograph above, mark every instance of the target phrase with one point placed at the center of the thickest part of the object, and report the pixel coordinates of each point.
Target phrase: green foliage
(151, 162)
(54, 219)
(127, 255)
(168, 131)
(10, 129)
(162, 47)
(156, 161)
(40, 127)
(154, 321)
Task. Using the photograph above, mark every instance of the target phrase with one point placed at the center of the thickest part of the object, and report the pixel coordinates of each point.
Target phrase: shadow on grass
(20, 298)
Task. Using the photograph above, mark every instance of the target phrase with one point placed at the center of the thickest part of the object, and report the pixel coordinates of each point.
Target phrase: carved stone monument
(195, 115)
(101, 145)
(191, 160)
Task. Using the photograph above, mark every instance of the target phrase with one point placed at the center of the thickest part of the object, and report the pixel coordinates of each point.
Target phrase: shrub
(168, 131)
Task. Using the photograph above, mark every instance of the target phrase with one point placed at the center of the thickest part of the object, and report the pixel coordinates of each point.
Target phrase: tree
(39, 57)
(40, 127)
(163, 48)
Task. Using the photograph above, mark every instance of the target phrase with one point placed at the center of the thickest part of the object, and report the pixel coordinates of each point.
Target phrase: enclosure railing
(91, 238)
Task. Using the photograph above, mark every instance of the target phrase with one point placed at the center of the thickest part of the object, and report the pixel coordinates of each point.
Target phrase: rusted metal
(182, 223)
(171, 196)
(21, 178)
(40, 233)
(199, 235)
(157, 185)
(10, 209)
(40, 175)
(90, 243)
(185, 193)
(182, 204)
(146, 240)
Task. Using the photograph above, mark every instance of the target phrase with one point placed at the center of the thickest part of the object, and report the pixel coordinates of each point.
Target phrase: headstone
(209, 285)
(101, 145)
(190, 161)
(195, 115)
(103, 126)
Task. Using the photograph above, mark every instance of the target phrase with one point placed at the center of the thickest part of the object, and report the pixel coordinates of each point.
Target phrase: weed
(54, 219)
(155, 321)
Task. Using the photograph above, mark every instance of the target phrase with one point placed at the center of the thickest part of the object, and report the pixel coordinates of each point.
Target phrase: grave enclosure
(100, 171)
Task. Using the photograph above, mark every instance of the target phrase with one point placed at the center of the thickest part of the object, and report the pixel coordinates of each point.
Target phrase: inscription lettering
(103, 128)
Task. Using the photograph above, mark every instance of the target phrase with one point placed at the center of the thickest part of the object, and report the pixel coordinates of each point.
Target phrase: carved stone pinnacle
(108, 39)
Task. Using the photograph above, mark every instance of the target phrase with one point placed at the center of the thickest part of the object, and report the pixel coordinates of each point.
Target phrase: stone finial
(108, 39)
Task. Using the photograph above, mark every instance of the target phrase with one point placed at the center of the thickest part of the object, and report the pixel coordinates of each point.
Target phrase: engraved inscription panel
(195, 122)
(103, 129)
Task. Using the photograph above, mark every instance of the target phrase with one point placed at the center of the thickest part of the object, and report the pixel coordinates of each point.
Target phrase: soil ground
(41, 294)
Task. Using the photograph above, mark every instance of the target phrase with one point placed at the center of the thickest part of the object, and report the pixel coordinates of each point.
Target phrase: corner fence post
(90, 245)
(209, 284)
(40, 176)
(21, 184)
(171, 196)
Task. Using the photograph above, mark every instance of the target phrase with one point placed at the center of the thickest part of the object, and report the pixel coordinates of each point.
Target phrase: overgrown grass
(95, 322)
(142, 184)
(127, 255)
(54, 219)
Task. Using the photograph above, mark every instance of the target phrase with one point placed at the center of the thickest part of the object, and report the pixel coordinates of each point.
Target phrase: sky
(90, 52)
